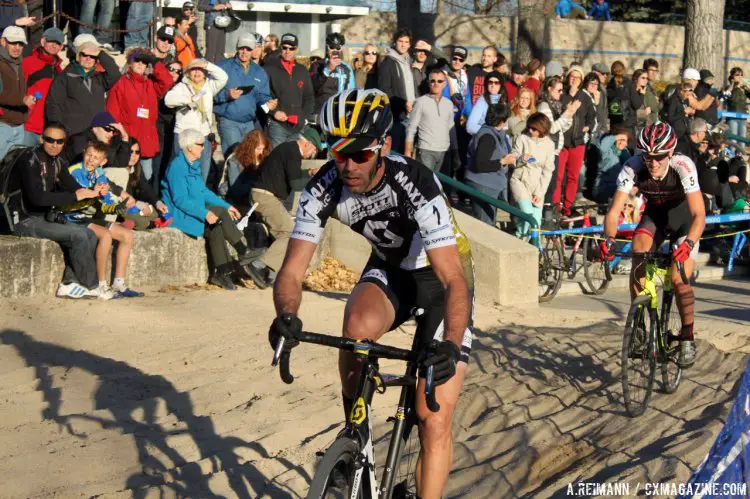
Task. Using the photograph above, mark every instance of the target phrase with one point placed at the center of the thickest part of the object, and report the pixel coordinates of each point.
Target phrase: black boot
(245, 255)
(260, 273)
(223, 277)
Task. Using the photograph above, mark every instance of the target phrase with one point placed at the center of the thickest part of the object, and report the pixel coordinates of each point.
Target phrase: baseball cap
(289, 39)
(188, 5)
(600, 67)
(102, 119)
(313, 136)
(519, 69)
(691, 74)
(554, 68)
(459, 51)
(249, 40)
(706, 74)
(54, 35)
(15, 34)
(166, 32)
(195, 62)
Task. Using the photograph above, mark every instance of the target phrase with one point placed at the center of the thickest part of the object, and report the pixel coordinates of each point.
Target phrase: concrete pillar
(315, 27)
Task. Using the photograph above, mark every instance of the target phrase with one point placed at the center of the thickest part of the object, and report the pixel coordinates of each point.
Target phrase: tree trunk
(704, 36)
(533, 16)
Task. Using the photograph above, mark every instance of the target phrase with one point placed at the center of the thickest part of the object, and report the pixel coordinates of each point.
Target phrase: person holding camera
(134, 103)
(736, 95)
(331, 75)
(45, 182)
(677, 110)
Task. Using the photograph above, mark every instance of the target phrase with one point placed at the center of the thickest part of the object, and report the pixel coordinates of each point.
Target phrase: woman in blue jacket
(198, 212)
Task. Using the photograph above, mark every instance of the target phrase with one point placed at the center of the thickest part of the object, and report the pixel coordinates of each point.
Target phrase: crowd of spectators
(527, 133)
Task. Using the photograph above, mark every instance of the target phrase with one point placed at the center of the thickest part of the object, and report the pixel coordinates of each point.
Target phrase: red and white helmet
(658, 138)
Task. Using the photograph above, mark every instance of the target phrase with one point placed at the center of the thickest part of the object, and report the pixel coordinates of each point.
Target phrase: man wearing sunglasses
(79, 93)
(420, 258)
(15, 103)
(39, 68)
(45, 182)
(164, 45)
(432, 118)
(674, 212)
(292, 88)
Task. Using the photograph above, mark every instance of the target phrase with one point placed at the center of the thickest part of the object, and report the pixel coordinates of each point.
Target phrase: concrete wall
(566, 40)
(506, 268)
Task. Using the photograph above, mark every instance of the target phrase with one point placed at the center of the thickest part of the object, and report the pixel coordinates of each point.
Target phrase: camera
(55, 217)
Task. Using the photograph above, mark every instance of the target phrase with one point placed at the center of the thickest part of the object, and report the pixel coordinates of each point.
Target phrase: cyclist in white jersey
(674, 211)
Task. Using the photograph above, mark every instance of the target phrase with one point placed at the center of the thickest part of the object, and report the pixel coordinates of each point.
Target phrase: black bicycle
(347, 469)
(652, 333)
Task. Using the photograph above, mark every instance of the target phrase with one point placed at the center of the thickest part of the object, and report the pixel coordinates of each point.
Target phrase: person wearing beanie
(78, 93)
(40, 68)
(247, 89)
(134, 102)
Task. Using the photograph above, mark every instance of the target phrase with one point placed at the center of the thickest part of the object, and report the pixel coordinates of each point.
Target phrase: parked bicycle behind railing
(420, 259)
(674, 211)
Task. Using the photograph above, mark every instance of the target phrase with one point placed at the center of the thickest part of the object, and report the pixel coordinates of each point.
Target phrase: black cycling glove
(444, 356)
(287, 326)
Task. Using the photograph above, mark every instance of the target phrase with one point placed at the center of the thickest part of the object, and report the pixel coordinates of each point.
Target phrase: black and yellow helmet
(353, 118)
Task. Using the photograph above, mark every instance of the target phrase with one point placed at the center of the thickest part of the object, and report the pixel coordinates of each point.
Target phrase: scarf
(556, 107)
(199, 103)
(404, 70)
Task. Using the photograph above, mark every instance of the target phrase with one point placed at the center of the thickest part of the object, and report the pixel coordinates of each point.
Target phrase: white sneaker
(72, 290)
(100, 292)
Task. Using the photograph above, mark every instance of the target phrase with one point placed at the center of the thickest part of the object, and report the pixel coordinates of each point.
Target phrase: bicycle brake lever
(284, 357)
(278, 351)
(429, 390)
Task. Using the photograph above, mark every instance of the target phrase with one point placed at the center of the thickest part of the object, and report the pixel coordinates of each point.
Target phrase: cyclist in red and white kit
(674, 211)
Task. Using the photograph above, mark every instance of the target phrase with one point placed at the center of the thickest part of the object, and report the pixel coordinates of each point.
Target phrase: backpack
(10, 187)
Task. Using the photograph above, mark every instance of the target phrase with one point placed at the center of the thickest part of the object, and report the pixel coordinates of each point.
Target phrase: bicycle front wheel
(638, 356)
(334, 478)
(595, 270)
(671, 372)
(550, 268)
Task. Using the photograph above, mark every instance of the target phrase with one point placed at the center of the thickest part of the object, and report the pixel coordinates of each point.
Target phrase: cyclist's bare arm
(698, 212)
(287, 291)
(446, 263)
(613, 215)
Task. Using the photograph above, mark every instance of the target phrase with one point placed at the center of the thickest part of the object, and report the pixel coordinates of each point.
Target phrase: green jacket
(651, 99)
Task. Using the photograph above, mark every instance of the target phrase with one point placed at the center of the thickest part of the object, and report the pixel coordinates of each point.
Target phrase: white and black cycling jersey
(681, 178)
(402, 217)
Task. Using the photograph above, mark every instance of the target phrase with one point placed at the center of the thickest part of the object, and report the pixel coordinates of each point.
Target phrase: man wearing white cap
(699, 102)
(247, 88)
(14, 103)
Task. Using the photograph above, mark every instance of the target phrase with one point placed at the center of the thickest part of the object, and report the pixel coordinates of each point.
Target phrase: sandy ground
(173, 396)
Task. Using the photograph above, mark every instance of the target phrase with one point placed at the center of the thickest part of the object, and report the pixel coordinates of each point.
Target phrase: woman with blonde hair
(522, 106)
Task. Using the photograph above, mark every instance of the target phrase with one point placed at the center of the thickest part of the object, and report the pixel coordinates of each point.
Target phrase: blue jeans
(106, 8)
(737, 126)
(78, 243)
(232, 133)
(147, 166)
(12, 136)
(205, 157)
(526, 206)
(278, 133)
(139, 14)
(485, 211)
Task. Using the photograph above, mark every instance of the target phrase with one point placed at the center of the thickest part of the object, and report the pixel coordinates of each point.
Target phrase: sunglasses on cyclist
(359, 157)
(655, 157)
(50, 140)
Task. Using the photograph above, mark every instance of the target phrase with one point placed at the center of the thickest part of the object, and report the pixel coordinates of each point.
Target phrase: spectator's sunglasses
(459, 59)
(16, 44)
(288, 48)
(175, 70)
(167, 40)
(437, 82)
(90, 56)
(359, 157)
(50, 140)
(420, 51)
(493, 82)
(370, 53)
(135, 151)
(110, 129)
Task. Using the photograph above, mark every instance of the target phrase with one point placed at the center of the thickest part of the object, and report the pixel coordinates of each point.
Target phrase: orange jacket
(185, 48)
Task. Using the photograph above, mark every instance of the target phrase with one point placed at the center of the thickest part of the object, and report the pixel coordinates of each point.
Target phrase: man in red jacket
(134, 101)
(39, 68)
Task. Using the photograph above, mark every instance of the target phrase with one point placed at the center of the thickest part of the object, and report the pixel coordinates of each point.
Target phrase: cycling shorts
(421, 289)
(667, 224)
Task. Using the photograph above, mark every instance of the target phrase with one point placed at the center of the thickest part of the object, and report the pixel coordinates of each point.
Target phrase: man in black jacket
(45, 182)
(677, 111)
(330, 75)
(78, 93)
(290, 83)
(105, 129)
(395, 79)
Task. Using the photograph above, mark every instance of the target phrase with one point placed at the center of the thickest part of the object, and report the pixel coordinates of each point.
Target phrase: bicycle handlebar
(650, 255)
(374, 350)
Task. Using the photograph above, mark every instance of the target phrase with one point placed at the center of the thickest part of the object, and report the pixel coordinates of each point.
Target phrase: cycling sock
(687, 332)
(348, 403)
